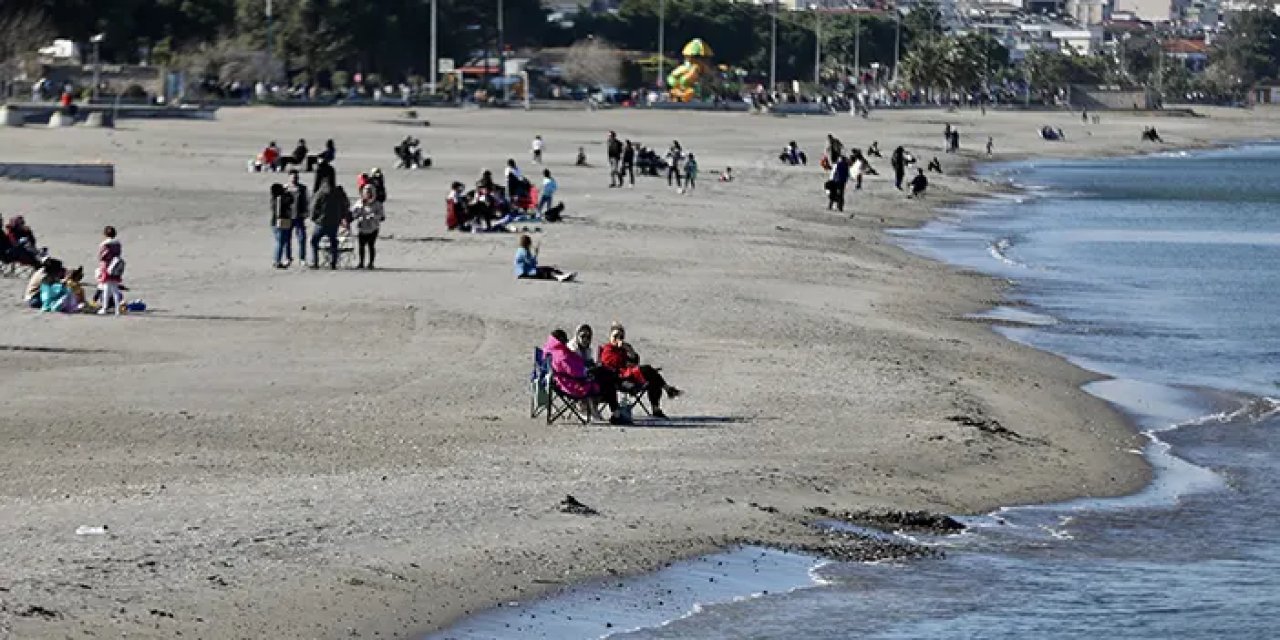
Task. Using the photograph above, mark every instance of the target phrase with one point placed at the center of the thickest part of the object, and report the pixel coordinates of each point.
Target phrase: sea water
(1162, 272)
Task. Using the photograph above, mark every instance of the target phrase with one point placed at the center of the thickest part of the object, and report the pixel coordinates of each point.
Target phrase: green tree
(1248, 52)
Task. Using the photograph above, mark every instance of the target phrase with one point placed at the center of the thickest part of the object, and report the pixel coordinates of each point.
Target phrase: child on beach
(537, 149)
(549, 188)
(110, 271)
(527, 264)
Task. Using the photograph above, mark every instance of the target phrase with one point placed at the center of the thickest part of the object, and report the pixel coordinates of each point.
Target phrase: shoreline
(896, 359)
(1127, 413)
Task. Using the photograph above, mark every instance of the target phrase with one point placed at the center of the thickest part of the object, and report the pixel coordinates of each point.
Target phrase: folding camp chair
(632, 395)
(539, 384)
(547, 397)
(561, 402)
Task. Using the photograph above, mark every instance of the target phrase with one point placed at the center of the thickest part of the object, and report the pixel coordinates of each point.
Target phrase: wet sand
(317, 454)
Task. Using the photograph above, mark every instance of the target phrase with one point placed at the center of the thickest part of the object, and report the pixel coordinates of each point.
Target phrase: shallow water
(1161, 271)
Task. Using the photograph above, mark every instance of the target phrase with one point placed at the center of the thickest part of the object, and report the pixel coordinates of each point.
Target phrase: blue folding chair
(539, 384)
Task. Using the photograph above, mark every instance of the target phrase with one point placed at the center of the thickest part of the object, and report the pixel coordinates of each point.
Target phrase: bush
(341, 79)
(135, 92)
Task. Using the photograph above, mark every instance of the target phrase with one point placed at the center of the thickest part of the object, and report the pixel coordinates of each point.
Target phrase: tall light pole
(435, 60)
(662, 41)
(502, 50)
(271, 54)
(773, 50)
(817, 53)
(897, 40)
(97, 64)
(857, 46)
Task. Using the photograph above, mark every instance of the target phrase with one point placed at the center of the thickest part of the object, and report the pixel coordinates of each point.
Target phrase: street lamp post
(897, 40)
(817, 54)
(502, 50)
(435, 60)
(270, 49)
(97, 65)
(857, 47)
(662, 41)
(773, 49)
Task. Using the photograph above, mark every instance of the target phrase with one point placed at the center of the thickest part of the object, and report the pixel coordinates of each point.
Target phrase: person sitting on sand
(582, 158)
(298, 157)
(20, 242)
(726, 175)
(792, 155)
(31, 294)
(266, 160)
(54, 296)
(75, 288)
(329, 154)
(919, 184)
(455, 207)
(526, 264)
(570, 374)
(619, 356)
(935, 166)
(874, 149)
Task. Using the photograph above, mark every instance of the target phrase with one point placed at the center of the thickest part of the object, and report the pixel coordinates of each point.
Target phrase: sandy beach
(316, 454)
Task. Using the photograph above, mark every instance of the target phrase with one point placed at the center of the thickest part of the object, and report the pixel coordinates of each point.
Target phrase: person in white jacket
(368, 215)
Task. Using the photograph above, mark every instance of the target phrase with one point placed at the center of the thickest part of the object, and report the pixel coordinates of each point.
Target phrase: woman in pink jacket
(110, 271)
(569, 372)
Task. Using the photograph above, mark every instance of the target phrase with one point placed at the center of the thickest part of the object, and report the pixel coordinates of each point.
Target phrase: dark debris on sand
(891, 520)
(571, 505)
(845, 546)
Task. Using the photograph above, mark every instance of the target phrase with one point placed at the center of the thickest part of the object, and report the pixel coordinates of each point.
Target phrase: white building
(1158, 11)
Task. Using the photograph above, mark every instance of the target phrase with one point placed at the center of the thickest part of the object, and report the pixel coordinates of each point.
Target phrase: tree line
(390, 39)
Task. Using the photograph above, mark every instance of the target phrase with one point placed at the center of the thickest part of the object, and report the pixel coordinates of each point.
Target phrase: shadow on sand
(688, 422)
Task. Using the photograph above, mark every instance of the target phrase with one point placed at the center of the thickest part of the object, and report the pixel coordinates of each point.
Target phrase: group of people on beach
(852, 165)
(272, 159)
(490, 206)
(54, 288)
(625, 157)
(332, 215)
(595, 377)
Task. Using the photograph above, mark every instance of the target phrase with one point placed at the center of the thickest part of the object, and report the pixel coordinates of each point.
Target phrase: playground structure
(685, 79)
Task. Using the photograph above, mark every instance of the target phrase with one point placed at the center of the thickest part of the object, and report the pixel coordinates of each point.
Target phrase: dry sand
(315, 455)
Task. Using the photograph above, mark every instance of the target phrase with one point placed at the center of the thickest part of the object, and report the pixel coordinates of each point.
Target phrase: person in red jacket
(618, 356)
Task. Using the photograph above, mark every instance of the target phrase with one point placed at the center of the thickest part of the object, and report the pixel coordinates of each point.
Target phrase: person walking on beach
(991, 143)
(628, 169)
(537, 149)
(368, 216)
(690, 174)
(898, 160)
(110, 271)
(329, 209)
(549, 188)
(614, 147)
(675, 155)
(836, 183)
(833, 151)
(282, 210)
(301, 210)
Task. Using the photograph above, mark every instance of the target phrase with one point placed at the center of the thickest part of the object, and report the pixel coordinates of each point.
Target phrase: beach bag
(554, 214)
(115, 268)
